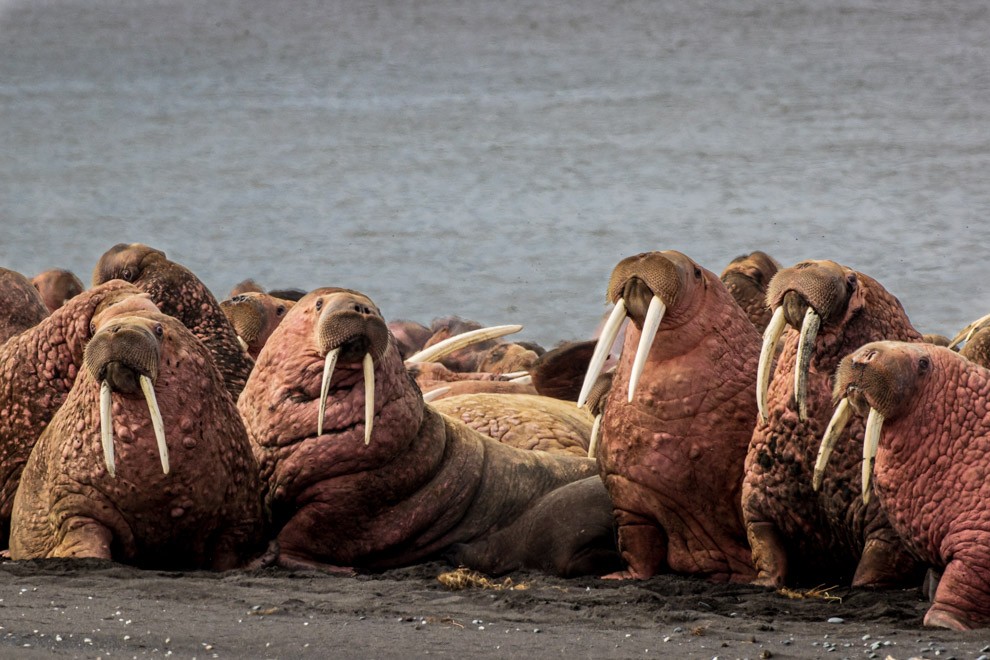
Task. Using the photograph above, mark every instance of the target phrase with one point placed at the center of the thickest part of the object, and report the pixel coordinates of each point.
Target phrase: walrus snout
(353, 324)
(124, 350)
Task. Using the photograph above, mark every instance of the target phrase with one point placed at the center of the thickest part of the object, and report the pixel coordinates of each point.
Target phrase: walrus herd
(143, 421)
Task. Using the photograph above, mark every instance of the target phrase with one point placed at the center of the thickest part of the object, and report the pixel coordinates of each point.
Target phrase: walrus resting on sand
(147, 462)
(356, 470)
(928, 429)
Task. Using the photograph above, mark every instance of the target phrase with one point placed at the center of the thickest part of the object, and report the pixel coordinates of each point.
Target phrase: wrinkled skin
(254, 316)
(541, 538)
(491, 356)
(21, 307)
(560, 371)
(800, 536)
(57, 286)
(746, 277)
(467, 387)
(424, 481)
(977, 348)
(37, 370)
(205, 513)
(432, 375)
(932, 463)
(672, 459)
(179, 293)
(523, 420)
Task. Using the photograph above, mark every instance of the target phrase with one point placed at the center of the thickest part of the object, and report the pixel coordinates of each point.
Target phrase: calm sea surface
(496, 159)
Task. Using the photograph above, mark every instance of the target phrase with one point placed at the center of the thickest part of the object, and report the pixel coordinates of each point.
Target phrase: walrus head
(254, 317)
(647, 288)
(350, 329)
(747, 277)
(804, 296)
(124, 356)
(878, 381)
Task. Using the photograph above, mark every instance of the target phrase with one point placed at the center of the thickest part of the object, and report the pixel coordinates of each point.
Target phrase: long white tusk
(609, 332)
(835, 427)
(771, 337)
(434, 394)
(369, 396)
(244, 346)
(522, 380)
(328, 364)
(512, 375)
(156, 419)
(595, 431)
(806, 346)
(871, 440)
(966, 333)
(457, 342)
(654, 314)
(106, 427)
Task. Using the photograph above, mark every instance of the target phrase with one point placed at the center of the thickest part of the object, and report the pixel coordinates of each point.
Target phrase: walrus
(57, 286)
(37, 370)
(147, 462)
(21, 306)
(179, 293)
(359, 473)
(677, 419)
(747, 277)
(799, 536)
(928, 431)
(254, 316)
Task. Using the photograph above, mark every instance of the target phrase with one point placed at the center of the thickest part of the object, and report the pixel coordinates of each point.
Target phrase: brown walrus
(57, 286)
(254, 317)
(21, 307)
(179, 293)
(37, 370)
(377, 479)
(747, 277)
(147, 462)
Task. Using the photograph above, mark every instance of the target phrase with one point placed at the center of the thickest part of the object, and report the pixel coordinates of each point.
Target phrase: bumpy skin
(37, 370)
(254, 317)
(205, 513)
(799, 535)
(21, 307)
(431, 375)
(179, 293)
(931, 467)
(57, 286)
(672, 459)
(526, 421)
(423, 483)
(746, 277)
(541, 538)
(977, 349)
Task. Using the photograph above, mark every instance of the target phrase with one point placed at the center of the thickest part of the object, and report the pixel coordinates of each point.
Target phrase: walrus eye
(319, 304)
(279, 310)
(697, 272)
(127, 275)
(159, 330)
(924, 365)
(851, 282)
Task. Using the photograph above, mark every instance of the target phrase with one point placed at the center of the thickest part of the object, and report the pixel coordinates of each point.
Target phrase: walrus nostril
(865, 358)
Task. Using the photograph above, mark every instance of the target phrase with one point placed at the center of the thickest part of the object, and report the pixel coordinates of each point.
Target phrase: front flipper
(642, 545)
(769, 555)
(885, 564)
(80, 536)
(962, 599)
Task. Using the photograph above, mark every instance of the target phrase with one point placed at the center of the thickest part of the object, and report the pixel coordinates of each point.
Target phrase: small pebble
(866, 637)
(536, 630)
(678, 629)
(836, 619)
(985, 649)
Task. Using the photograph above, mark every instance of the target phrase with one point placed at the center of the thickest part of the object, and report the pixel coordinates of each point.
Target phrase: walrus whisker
(596, 428)
(806, 346)
(156, 419)
(840, 418)
(771, 337)
(447, 346)
(654, 315)
(609, 332)
(328, 364)
(871, 440)
(106, 427)
(369, 396)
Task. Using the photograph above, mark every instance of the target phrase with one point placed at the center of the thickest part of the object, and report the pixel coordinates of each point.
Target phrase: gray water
(496, 159)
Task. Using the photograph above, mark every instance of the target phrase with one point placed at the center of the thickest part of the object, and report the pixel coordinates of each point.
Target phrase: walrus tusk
(240, 340)
(512, 375)
(156, 419)
(771, 337)
(966, 333)
(832, 432)
(522, 380)
(457, 342)
(369, 396)
(609, 332)
(434, 394)
(106, 427)
(806, 346)
(871, 440)
(328, 365)
(593, 443)
(654, 314)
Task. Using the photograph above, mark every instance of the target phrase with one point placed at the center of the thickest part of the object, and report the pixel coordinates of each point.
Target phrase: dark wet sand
(99, 609)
